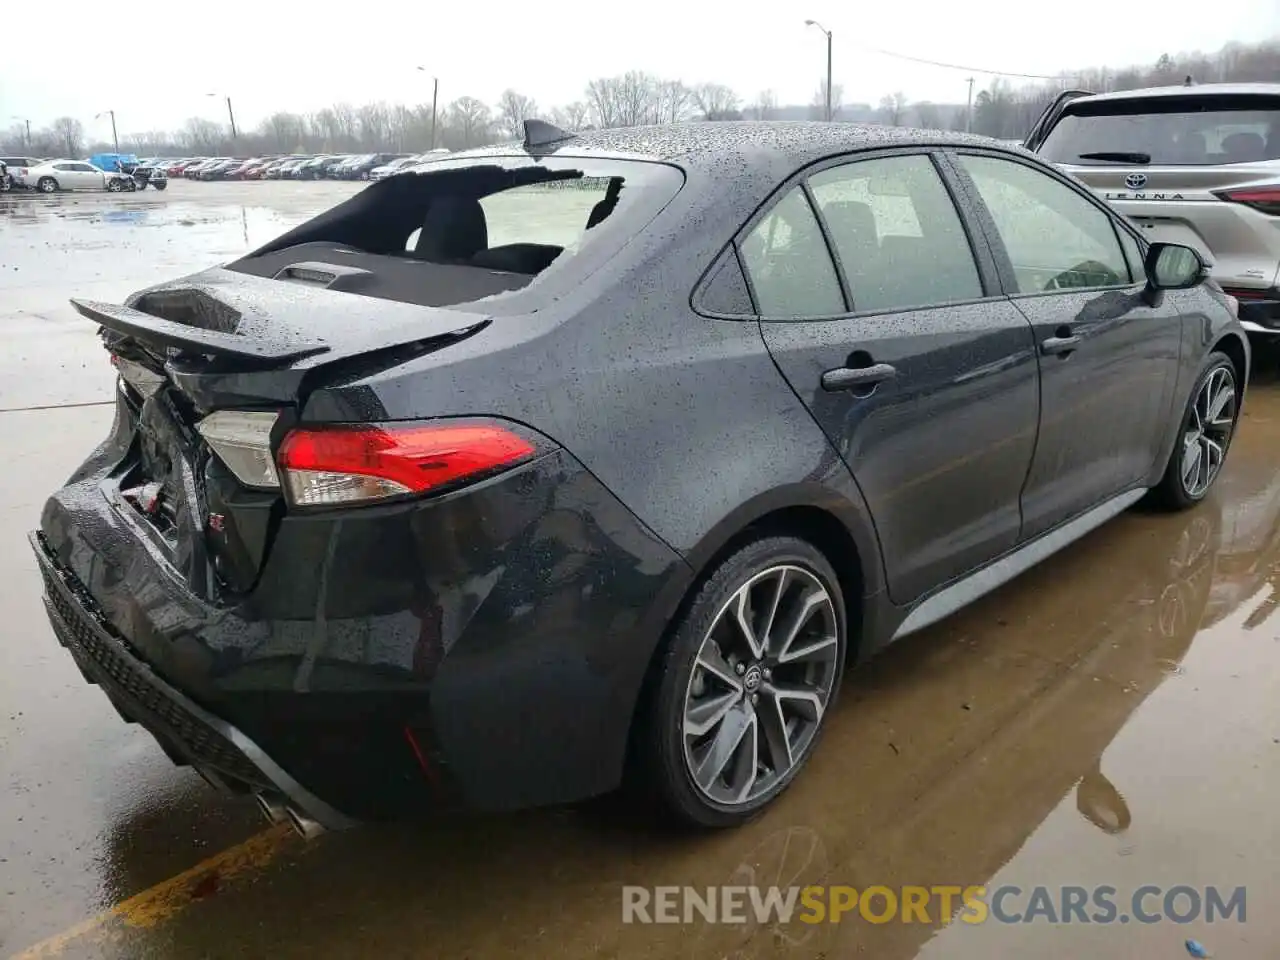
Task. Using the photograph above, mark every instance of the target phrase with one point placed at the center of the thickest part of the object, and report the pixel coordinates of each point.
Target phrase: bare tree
(572, 116)
(673, 101)
(513, 110)
(765, 106)
(375, 125)
(470, 119)
(603, 98)
(715, 101)
(201, 135)
(892, 107)
(287, 130)
(928, 115)
(70, 135)
(817, 108)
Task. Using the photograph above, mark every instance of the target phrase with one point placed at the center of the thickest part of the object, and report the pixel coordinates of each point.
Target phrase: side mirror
(1172, 266)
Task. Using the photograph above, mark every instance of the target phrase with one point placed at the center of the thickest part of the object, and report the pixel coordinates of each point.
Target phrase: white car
(54, 175)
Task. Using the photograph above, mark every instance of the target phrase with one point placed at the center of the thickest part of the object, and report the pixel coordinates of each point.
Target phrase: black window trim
(984, 261)
(1004, 262)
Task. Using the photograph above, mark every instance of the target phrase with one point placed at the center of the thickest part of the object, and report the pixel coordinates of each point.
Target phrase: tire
(1184, 484)
(685, 690)
(114, 186)
(47, 185)
(161, 185)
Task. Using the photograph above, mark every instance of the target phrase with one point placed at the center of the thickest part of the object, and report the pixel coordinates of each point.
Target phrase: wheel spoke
(742, 617)
(804, 701)
(766, 629)
(712, 660)
(1219, 403)
(701, 718)
(725, 744)
(805, 609)
(777, 739)
(1190, 464)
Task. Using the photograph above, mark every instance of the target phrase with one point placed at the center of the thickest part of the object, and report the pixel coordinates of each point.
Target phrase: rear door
(1108, 360)
(888, 323)
(1200, 169)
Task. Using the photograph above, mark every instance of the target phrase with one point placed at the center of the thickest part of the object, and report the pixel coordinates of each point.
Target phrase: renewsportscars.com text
(931, 905)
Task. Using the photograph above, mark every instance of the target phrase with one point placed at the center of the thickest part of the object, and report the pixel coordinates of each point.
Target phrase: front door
(922, 376)
(1107, 358)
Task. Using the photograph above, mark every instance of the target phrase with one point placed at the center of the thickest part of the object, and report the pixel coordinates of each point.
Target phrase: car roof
(1182, 90)
(720, 146)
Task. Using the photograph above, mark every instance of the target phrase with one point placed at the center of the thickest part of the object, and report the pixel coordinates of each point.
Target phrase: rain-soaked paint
(1110, 718)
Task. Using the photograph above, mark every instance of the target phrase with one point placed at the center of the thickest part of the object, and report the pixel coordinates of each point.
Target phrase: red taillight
(1265, 199)
(345, 464)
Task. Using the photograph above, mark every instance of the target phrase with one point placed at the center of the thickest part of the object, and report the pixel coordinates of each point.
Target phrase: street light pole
(968, 110)
(230, 116)
(28, 123)
(115, 140)
(815, 23)
(435, 98)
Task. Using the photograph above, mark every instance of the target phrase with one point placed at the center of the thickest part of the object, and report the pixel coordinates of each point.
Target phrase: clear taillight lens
(242, 441)
(362, 463)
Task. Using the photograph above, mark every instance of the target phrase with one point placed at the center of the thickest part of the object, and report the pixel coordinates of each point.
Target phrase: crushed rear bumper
(187, 732)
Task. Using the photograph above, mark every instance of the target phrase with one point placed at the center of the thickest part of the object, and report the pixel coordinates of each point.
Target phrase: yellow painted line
(167, 898)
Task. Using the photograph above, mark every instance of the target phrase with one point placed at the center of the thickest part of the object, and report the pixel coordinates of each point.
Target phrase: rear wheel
(1208, 426)
(746, 683)
(47, 185)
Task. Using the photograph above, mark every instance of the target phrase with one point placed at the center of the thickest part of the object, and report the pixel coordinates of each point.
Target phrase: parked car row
(328, 166)
(51, 176)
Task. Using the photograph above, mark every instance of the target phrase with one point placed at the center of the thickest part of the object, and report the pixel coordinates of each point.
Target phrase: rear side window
(899, 237)
(791, 271)
(1055, 238)
(1194, 131)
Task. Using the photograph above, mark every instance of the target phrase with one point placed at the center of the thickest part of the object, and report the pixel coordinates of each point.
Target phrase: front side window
(900, 240)
(787, 260)
(1055, 238)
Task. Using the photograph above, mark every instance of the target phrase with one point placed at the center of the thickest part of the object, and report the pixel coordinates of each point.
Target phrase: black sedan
(611, 452)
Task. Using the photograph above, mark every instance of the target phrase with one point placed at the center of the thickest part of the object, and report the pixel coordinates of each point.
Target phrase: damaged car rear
(328, 555)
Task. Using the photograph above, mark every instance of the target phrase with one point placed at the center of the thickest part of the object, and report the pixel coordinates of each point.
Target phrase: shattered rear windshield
(465, 230)
(1190, 131)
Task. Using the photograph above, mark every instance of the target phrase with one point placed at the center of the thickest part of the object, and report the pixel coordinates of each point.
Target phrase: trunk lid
(225, 341)
(1180, 204)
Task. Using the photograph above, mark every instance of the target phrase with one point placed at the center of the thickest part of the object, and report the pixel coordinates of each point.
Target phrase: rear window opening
(457, 232)
(1178, 131)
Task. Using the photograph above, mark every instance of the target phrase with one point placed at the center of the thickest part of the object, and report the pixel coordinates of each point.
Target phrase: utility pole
(115, 140)
(435, 98)
(232, 117)
(828, 76)
(28, 123)
(968, 110)
(815, 23)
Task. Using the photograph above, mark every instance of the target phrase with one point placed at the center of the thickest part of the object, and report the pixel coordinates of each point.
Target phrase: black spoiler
(161, 334)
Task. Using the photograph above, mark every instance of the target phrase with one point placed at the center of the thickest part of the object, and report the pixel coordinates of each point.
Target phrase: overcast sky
(269, 56)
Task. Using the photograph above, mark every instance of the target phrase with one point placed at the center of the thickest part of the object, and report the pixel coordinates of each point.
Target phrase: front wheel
(745, 684)
(114, 186)
(1204, 437)
(47, 185)
(161, 185)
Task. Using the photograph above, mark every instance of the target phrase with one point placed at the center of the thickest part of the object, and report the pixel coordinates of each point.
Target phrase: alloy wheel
(1208, 432)
(760, 685)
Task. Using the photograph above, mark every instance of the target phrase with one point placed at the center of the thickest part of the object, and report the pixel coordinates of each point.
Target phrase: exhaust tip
(272, 807)
(305, 827)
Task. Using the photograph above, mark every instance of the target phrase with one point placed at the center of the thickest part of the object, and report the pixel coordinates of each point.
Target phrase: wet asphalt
(1113, 717)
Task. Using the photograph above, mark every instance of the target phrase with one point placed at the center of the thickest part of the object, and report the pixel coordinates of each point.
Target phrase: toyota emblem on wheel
(1135, 181)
